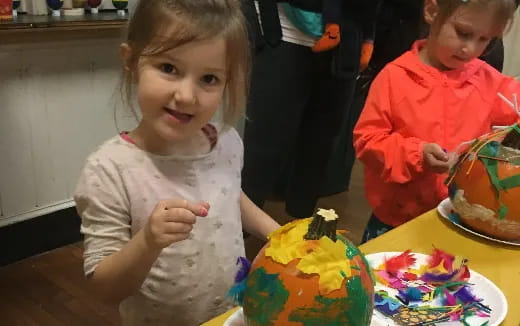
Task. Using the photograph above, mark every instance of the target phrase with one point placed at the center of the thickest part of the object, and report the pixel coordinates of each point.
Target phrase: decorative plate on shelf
(445, 208)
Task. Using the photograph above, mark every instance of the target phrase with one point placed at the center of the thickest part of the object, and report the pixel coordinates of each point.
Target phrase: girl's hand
(172, 221)
(435, 158)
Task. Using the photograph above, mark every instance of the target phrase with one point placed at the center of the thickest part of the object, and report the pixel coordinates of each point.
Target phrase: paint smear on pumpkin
(353, 251)
(266, 297)
(354, 310)
(361, 303)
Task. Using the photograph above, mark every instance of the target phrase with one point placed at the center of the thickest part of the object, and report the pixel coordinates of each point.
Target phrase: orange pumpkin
(485, 186)
(309, 275)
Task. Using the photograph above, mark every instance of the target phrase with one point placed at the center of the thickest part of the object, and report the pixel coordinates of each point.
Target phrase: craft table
(499, 263)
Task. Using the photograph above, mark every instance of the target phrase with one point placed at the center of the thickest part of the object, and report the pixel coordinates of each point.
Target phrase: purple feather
(465, 296)
(437, 278)
(245, 267)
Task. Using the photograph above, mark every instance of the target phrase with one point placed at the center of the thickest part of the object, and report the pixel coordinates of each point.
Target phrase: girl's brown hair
(158, 26)
(503, 11)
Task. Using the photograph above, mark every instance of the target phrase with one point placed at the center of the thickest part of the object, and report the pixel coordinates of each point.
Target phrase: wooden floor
(50, 289)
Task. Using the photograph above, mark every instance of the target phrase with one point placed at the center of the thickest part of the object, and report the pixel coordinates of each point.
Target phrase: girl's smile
(177, 116)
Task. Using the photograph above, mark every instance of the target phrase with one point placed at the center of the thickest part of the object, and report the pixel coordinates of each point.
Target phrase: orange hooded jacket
(410, 104)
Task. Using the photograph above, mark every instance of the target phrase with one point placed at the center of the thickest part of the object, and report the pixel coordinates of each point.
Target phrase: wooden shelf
(29, 23)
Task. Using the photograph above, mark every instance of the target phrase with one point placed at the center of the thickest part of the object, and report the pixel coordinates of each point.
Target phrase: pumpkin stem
(324, 223)
(512, 139)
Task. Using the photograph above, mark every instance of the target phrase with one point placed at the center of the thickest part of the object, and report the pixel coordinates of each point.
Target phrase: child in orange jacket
(425, 103)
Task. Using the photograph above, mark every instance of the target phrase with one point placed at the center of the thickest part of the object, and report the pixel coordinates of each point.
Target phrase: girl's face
(462, 37)
(180, 90)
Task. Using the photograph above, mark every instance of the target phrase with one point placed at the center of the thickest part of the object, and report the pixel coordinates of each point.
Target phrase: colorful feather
(449, 299)
(465, 295)
(399, 262)
(434, 278)
(243, 271)
(456, 315)
(459, 274)
(411, 294)
(438, 256)
(410, 276)
(440, 289)
(443, 277)
(236, 293)
(463, 274)
(482, 314)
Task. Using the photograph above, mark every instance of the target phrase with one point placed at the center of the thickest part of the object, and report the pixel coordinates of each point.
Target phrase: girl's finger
(176, 237)
(176, 227)
(180, 215)
(439, 154)
(196, 208)
(205, 205)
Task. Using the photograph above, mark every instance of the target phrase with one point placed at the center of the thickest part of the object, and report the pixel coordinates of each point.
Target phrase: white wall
(56, 105)
(512, 49)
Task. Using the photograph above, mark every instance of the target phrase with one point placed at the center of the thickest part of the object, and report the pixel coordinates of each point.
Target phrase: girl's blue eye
(210, 79)
(168, 68)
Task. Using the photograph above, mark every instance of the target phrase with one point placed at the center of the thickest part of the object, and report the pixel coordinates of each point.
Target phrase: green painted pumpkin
(309, 275)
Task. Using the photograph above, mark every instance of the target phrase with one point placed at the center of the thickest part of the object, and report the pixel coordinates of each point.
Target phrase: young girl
(162, 208)
(425, 103)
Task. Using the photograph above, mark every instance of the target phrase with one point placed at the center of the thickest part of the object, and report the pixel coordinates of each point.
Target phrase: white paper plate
(482, 288)
(445, 208)
(236, 319)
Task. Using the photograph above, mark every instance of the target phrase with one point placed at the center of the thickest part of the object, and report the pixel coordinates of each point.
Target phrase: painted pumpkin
(484, 185)
(309, 274)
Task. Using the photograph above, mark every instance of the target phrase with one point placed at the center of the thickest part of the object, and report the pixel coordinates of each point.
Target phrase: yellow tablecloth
(499, 263)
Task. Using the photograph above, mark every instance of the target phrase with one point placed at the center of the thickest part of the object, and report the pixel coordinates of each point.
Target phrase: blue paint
(452, 190)
(454, 217)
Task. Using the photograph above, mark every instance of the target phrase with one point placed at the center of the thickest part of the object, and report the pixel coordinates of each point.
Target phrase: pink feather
(450, 298)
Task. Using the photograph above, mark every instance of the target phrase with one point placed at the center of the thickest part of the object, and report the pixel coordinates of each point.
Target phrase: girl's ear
(125, 52)
(431, 10)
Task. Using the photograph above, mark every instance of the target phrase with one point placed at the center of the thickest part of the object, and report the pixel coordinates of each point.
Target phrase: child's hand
(172, 221)
(436, 158)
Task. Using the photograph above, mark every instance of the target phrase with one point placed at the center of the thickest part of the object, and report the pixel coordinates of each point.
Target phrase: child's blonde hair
(158, 26)
(503, 11)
